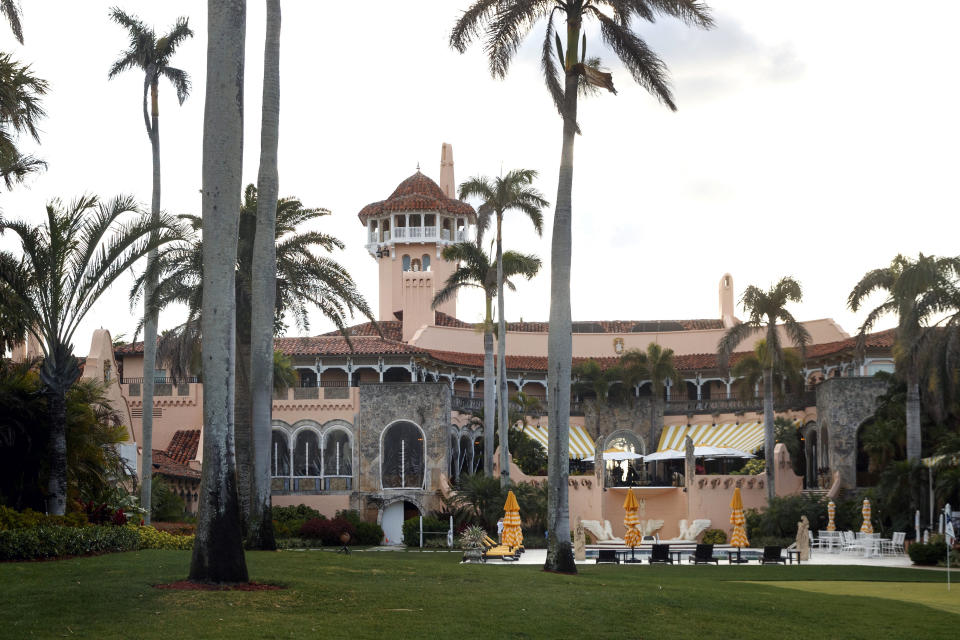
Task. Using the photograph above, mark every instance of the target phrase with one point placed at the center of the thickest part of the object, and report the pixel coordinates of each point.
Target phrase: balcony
(417, 234)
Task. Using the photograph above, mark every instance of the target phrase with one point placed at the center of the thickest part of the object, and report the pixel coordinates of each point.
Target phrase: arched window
(402, 457)
(466, 453)
(477, 451)
(306, 454)
(453, 456)
(624, 472)
(425, 262)
(337, 454)
(280, 454)
(405, 262)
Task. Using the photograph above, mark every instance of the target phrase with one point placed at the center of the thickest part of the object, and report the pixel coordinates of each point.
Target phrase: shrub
(929, 553)
(165, 504)
(369, 533)
(781, 516)
(12, 519)
(328, 532)
(411, 530)
(351, 516)
(714, 536)
(103, 514)
(753, 467)
(151, 538)
(56, 541)
(287, 521)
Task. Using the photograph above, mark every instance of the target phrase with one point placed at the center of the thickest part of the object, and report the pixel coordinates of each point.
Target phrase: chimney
(447, 184)
(726, 301)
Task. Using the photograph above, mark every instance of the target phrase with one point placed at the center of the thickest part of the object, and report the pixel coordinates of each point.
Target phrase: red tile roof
(183, 446)
(337, 345)
(167, 466)
(417, 193)
(128, 349)
(596, 326)
(392, 330)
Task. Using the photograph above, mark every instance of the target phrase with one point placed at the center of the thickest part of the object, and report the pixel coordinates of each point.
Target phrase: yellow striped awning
(581, 444)
(744, 436)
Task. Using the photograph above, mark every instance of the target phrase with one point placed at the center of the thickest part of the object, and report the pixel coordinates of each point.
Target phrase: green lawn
(382, 594)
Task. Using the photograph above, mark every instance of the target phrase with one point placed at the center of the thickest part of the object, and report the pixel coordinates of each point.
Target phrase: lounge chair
(502, 551)
(703, 555)
(660, 554)
(607, 555)
(771, 555)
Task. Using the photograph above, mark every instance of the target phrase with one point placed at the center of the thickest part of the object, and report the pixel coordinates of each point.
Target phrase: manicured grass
(399, 595)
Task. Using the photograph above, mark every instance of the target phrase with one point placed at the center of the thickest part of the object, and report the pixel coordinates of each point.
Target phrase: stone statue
(579, 542)
(803, 538)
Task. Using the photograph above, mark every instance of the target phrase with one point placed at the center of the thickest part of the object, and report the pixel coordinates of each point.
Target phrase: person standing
(500, 531)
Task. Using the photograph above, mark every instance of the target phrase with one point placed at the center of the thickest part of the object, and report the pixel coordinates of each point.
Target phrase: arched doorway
(393, 517)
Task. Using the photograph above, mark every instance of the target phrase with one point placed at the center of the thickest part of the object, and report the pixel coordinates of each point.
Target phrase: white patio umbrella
(698, 452)
(616, 454)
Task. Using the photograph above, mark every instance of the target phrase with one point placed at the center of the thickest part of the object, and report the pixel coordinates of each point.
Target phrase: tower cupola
(406, 234)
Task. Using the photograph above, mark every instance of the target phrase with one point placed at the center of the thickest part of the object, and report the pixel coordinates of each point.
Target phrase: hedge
(150, 538)
(55, 541)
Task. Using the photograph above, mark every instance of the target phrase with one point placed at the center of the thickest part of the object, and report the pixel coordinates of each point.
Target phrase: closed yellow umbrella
(512, 534)
(739, 537)
(631, 520)
(867, 526)
(831, 514)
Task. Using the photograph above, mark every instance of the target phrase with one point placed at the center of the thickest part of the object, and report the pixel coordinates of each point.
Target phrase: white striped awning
(745, 436)
(581, 444)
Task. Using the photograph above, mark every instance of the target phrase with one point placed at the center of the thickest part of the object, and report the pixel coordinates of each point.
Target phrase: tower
(726, 301)
(406, 234)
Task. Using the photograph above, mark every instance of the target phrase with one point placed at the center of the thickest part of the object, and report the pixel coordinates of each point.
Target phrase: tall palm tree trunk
(502, 416)
(560, 340)
(150, 320)
(769, 438)
(218, 547)
(242, 424)
(914, 441)
(489, 393)
(264, 291)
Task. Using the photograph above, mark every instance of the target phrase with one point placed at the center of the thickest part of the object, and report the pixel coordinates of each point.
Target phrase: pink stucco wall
(466, 340)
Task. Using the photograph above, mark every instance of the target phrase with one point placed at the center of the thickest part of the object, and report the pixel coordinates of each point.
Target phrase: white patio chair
(850, 542)
(895, 546)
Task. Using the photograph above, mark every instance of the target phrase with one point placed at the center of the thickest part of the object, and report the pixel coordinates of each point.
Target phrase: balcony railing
(419, 234)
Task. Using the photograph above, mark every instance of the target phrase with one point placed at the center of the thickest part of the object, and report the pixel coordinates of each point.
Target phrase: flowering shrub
(103, 514)
(55, 541)
(328, 531)
(150, 538)
(12, 519)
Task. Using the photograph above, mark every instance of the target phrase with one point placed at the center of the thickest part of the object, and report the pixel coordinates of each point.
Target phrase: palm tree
(916, 290)
(500, 195)
(11, 11)
(749, 369)
(218, 546)
(766, 309)
(590, 377)
(524, 405)
(505, 23)
(20, 112)
(151, 55)
(263, 291)
(475, 271)
(301, 280)
(66, 264)
(657, 365)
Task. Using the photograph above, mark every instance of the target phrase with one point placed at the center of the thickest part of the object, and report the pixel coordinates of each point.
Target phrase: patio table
(793, 553)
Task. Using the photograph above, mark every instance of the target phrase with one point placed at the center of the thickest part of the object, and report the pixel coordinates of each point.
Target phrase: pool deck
(539, 556)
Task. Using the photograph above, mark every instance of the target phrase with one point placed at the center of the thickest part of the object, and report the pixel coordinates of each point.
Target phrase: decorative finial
(418, 167)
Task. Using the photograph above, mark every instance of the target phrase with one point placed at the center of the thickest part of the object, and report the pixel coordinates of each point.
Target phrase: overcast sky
(816, 144)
